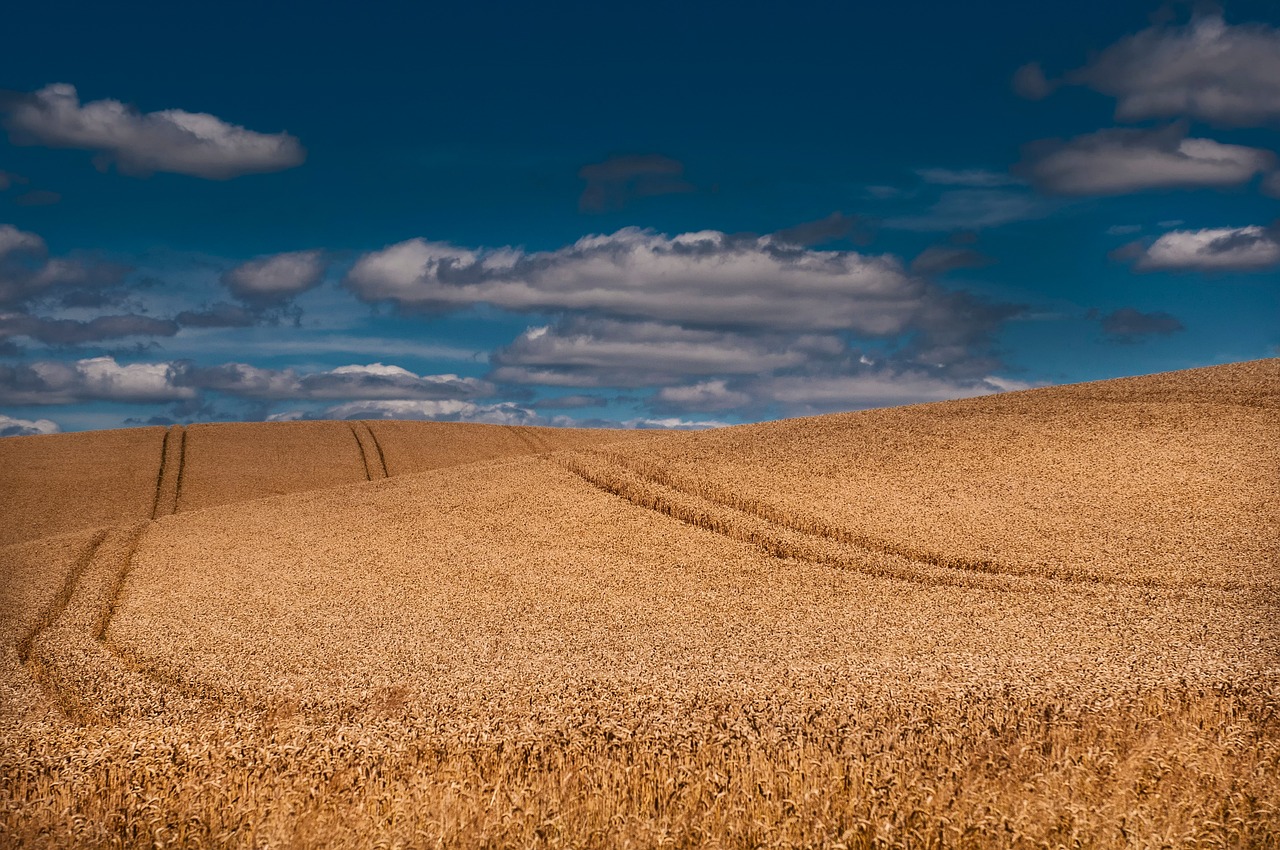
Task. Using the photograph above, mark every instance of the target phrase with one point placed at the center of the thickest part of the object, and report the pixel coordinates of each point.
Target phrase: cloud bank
(705, 278)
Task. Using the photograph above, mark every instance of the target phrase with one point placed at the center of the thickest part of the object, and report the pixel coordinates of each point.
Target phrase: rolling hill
(1043, 618)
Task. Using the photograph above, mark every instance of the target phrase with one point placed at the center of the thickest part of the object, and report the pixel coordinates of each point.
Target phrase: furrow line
(528, 440)
(164, 456)
(364, 455)
(182, 466)
(382, 458)
(818, 529)
(68, 658)
(59, 604)
(781, 541)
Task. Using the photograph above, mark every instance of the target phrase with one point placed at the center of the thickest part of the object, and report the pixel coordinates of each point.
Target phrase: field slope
(1037, 619)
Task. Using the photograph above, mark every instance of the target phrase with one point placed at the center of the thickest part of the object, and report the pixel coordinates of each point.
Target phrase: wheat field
(1036, 620)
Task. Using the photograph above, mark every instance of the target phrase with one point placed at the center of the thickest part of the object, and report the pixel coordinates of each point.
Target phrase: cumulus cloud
(366, 382)
(1129, 324)
(705, 278)
(611, 184)
(1206, 69)
(583, 352)
(1111, 162)
(1251, 248)
(277, 278)
(11, 427)
(92, 379)
(139, 143)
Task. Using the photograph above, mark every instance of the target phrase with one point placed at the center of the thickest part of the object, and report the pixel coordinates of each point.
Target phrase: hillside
(1036, 618)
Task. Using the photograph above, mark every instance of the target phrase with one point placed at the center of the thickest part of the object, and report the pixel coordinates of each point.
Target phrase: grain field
(1041, 619)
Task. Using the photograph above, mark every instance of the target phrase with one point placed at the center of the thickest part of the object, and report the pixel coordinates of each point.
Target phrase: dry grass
(665, 643)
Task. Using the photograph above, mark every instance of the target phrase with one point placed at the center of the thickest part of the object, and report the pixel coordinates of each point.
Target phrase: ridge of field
(65, 482)
(670, 643)
(1169, 479)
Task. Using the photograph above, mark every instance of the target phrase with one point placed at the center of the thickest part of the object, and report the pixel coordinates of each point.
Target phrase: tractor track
(768, 530)
(173, 453)
(377, 448)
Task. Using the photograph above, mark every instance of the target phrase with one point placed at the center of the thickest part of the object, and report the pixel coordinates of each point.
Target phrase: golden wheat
(667, 643)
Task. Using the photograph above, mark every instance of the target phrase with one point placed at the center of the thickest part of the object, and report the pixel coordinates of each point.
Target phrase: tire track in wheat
(377, 446)
(364, 455)
(55, 608)
(70, 657)
(782, 540)
(173, 451)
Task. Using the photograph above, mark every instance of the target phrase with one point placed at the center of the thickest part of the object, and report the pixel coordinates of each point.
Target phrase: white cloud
(1207, 69)
(1111, 162)
(276, 278)
(1212, 249)
(11, 427)
(443, 411)
(139, 143)
(706, 278)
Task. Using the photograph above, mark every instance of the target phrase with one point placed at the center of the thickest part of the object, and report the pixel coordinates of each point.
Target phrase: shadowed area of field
(1035, 619)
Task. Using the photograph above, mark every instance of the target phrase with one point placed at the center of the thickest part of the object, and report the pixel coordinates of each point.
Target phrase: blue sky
(666, 215)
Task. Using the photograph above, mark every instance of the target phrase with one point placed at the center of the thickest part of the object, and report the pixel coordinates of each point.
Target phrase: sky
(659, 215)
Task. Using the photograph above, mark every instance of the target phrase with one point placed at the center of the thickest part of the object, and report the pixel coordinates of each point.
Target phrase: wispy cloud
(975, 209)
(613, 183)
(1130, 325)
